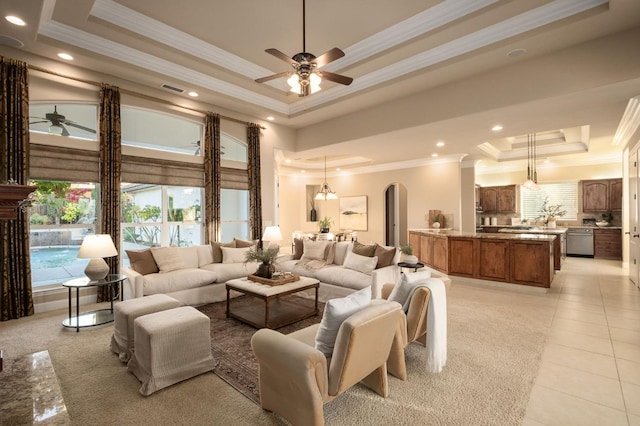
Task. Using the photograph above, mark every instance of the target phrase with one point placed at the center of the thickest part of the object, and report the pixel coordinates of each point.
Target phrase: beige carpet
(495, 342)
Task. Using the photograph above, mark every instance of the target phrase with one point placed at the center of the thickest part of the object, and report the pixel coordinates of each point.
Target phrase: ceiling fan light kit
(306, 77)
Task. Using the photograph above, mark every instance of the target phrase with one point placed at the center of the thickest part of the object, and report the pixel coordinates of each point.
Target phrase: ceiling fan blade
(38, 122)
(273, 77)
(327, 57)
(337, 78)
(77, 126)
(280, 55)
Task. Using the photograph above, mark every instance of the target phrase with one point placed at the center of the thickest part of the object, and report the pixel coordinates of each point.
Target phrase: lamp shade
(99, 245)
(272, 233)
(95, 247)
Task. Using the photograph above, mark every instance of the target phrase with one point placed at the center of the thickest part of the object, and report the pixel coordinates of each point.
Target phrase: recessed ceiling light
(303, 171)
(338, 169)
(15, 20)
(270, 118)
(288, 160)
(193, 94)
(434, 155)
(546, 161)
(440, 143)
(516, 52)
(65, 56)
(497, 128)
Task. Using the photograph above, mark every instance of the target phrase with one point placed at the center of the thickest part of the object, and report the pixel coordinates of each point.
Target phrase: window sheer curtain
(212, 177)
(255, 187)
(110, 174)
(15, 267)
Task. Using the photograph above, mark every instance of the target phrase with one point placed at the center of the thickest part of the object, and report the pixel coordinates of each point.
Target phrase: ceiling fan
(305, 77)
(58, 122)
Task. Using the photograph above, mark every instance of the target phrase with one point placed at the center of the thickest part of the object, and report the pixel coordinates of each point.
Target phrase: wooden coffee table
(276, 312)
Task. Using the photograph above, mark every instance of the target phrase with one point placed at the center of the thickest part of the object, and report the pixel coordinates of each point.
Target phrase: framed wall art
(353, 213)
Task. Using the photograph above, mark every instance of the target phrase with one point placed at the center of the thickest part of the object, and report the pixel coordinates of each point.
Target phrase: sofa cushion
(341, 249)
(183, 279)
(205, 254)
(231, 271)
(359, 263)
(364, 250)
(335, 312)
(385, 255)
(340, 276)
(189, 256)
(314, 250)
(234, 255)
(167, 258)
(216, 252)
(142, 261)
(298, 248)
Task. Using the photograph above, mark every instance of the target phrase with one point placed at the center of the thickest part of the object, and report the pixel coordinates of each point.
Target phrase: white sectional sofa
(192, 275)
(341, 273)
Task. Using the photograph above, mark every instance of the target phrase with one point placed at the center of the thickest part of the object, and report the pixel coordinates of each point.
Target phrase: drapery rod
(140, 95)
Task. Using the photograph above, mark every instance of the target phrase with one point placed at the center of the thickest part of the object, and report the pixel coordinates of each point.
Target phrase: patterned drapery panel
(110, 174)
(255, 187)
(212, 177)
(15, 267)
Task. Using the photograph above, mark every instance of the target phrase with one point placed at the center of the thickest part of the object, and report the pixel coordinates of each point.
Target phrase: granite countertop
(594, 227)
(554, 231)
(523, 235)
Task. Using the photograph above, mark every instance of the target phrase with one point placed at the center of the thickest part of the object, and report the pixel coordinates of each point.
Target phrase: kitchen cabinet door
(489, 199)
(595, 196)
(508, 199)
(615, 195)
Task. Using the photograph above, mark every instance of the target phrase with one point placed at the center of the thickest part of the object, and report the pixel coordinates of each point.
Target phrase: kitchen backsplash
(505, 218)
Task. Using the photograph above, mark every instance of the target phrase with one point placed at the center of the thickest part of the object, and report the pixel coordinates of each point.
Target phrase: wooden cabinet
(602, 195)
(489, 199)
(414, 242)
(441, 253)
(607, 243)
(500, 199)
(461, 261)
(493, 260)
(531, 263)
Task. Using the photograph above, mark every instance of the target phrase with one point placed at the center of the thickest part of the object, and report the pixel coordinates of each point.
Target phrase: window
(156, 130)
(234, 214)
(159, 215)
(62, 213)
(562, 194)
(77, 121)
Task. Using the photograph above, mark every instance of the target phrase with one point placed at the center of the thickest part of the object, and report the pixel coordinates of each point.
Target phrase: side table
(414, 266)
(92, 318)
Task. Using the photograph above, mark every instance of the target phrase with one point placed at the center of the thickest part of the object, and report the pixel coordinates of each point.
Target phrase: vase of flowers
(266, 257)
(550, 212)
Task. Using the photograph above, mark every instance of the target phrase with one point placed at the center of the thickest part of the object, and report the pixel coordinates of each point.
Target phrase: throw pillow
(142, 261)
(314, 250)
(217, 253)
(234, 255)
(244, 243)
(298, 248)
(359, 263)
(364, 250)
(341, 251)
(335, 312)
(167, 258)
(403, 289)
(385, 256)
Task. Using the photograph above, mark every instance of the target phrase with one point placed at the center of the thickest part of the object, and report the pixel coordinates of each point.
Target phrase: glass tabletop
(86, 282)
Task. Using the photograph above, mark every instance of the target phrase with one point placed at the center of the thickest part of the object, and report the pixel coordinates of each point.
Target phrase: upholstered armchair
(296, 379)
(416, 329)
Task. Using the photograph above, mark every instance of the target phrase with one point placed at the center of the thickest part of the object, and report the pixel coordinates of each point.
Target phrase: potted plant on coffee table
(266, 258)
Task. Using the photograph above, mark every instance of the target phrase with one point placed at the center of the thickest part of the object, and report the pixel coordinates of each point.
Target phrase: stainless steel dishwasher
(580, 242)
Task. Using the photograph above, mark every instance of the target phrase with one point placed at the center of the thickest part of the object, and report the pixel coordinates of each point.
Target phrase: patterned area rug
(231, 343)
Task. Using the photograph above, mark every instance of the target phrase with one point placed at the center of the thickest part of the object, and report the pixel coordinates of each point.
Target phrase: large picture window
(234, 214)
(74, 120)
(61, 215)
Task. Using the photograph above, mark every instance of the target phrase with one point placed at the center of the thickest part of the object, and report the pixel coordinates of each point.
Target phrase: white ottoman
(170, 346)
(124, 313)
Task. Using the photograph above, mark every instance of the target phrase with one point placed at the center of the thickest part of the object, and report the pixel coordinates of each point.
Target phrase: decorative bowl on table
(602, 223)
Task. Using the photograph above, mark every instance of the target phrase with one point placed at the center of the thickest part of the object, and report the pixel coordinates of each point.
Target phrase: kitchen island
(526, 259)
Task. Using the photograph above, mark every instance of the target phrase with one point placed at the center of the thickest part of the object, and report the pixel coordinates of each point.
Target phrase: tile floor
(590, 369)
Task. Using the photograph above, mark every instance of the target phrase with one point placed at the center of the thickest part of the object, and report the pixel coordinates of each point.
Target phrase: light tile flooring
(590, 368)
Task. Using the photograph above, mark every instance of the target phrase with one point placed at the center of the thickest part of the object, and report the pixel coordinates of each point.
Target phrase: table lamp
(96, 247)
(272, 234)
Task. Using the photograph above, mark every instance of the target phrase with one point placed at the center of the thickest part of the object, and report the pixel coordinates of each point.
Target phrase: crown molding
(629, 123)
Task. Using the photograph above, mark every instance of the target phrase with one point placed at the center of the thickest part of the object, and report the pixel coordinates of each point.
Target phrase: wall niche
(311, 204)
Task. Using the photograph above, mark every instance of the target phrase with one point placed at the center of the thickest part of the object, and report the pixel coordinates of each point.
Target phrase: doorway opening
(395, 215)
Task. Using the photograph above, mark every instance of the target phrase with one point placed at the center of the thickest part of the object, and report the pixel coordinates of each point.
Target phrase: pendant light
(532, 173)
(325, 192)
